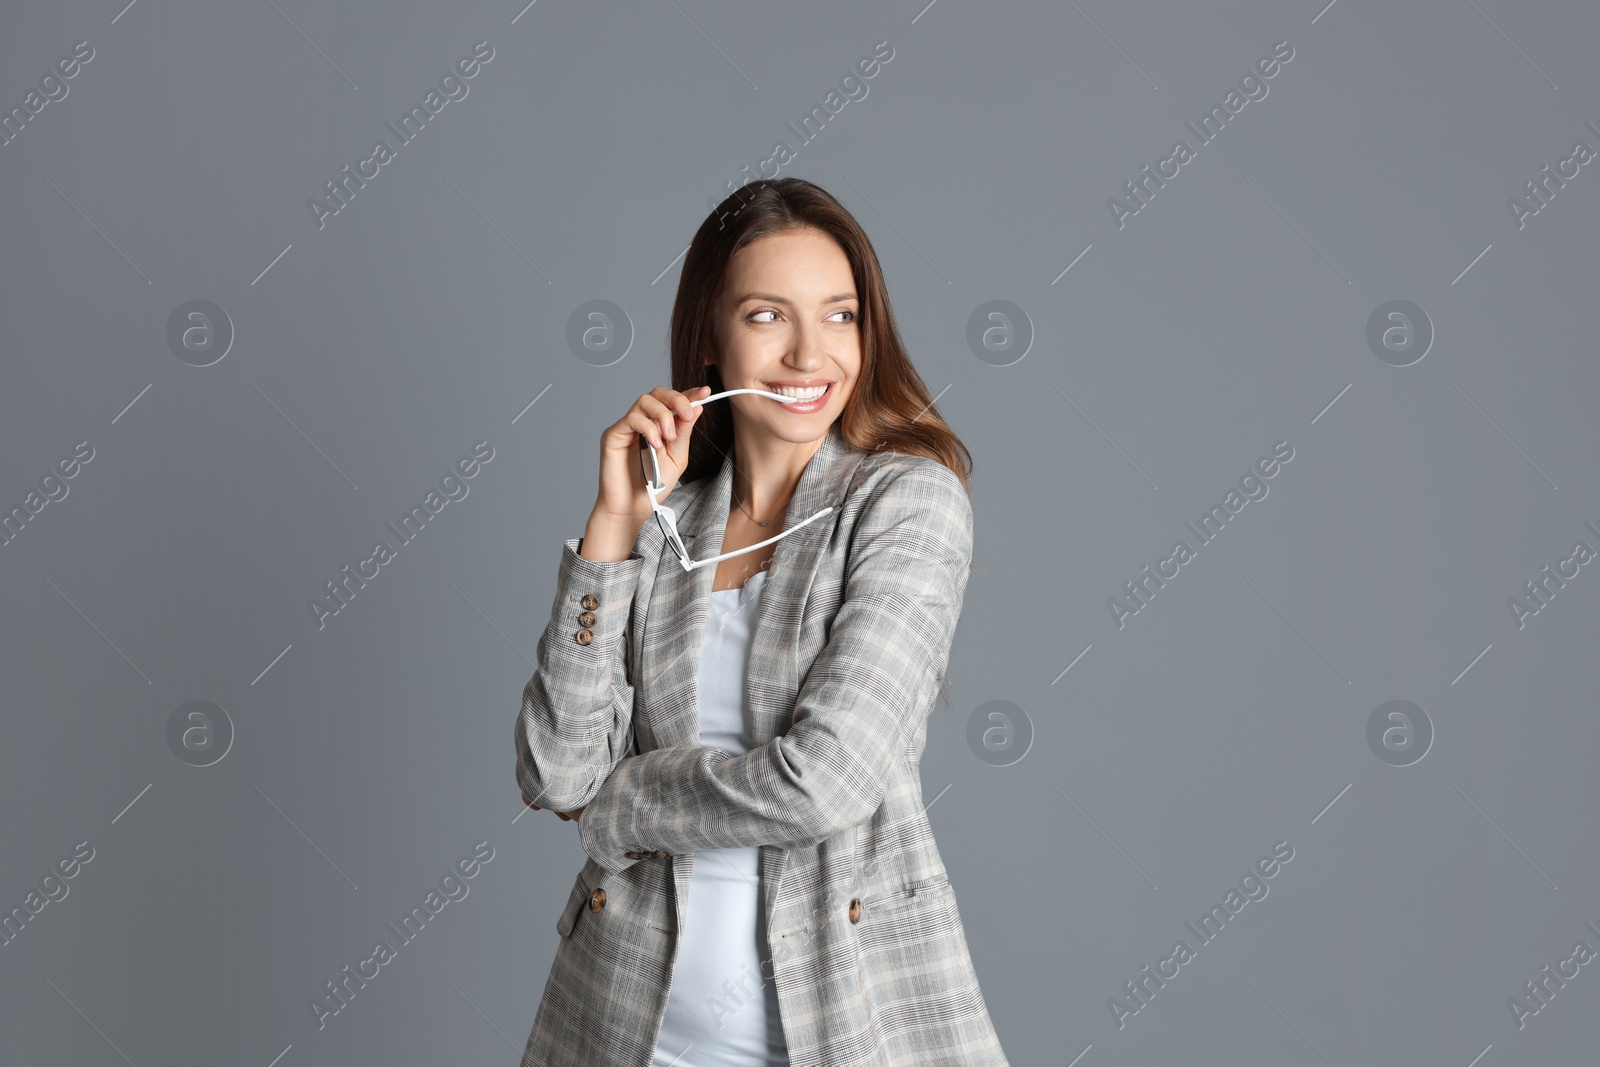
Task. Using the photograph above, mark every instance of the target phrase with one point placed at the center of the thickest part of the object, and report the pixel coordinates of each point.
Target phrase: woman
(735, 719)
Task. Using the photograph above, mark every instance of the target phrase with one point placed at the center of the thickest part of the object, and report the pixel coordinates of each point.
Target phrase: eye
(764, 311)
(846, 311)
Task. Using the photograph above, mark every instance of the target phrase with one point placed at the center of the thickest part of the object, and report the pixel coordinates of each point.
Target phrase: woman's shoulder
(905, 474)
(918, 497)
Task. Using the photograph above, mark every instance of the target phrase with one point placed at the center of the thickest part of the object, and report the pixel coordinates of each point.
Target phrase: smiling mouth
(826, 392)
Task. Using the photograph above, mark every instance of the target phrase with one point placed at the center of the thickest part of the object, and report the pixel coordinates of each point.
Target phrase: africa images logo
(451, 84)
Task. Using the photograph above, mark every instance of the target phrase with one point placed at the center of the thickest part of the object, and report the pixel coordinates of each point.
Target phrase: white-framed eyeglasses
(669, 519)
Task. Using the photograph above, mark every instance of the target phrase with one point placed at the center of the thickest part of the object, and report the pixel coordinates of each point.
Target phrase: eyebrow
(837, 298)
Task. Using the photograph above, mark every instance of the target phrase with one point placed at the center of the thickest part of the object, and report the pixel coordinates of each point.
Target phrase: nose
(809, 351)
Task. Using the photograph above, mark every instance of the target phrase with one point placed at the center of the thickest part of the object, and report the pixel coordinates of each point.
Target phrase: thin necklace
(758, 522)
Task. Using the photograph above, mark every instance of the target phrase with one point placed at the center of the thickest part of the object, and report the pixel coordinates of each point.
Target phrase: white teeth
(801, 394)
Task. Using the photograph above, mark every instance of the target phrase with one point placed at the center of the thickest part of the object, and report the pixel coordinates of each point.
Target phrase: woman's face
(788, 321)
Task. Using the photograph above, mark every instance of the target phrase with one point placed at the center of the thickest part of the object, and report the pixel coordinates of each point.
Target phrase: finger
(657, 410)
(669, 396)
(641, 424)
(678, 404)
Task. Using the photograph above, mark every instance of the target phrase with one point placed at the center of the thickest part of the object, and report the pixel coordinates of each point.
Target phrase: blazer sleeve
(856, 713)
(576, 720)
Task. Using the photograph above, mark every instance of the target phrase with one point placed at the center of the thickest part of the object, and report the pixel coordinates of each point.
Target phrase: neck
(766, 471)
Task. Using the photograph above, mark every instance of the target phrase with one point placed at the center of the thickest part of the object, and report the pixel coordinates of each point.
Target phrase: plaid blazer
(852, 638)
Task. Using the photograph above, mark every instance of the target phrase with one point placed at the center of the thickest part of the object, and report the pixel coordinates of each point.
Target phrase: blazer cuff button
(586, 619)
(855, 909)
(590, 601)
(585, 636)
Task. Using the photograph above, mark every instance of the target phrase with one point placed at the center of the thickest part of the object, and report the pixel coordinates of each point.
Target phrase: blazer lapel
(773, 679)
(675, 623)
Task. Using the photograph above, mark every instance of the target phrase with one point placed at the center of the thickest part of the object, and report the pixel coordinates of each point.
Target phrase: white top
(722, 1007)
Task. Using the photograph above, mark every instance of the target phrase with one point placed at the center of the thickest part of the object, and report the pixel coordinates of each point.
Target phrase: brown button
(585, 636)
(597, 900)
(590, 601)
(659, 854)
(855, 909)
(587, 618)
(633, 854)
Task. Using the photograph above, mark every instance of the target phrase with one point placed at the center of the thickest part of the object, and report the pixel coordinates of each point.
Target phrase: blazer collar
(680, 599)
(675, 620)
(820, 483)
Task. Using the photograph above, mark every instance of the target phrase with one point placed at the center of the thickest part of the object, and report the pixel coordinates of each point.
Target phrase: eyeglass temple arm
(691, 565)
(734, 392)
(644, 441)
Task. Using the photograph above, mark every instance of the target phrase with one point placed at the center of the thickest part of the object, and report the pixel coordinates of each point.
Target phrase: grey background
(1228, 315)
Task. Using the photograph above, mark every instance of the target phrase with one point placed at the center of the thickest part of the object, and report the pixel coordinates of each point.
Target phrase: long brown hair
(890, 408)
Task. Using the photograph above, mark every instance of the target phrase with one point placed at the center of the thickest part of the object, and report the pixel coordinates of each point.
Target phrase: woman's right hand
(664, 416)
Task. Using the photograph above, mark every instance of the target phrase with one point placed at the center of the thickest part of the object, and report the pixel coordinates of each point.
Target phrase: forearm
(576, 717)
(792, 792)
(607, 540)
